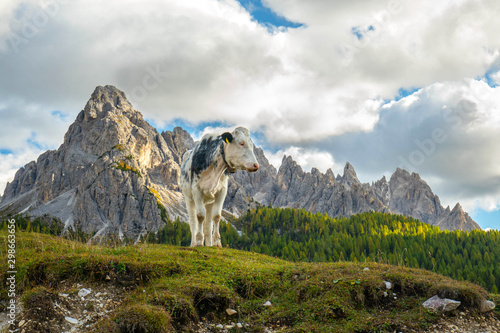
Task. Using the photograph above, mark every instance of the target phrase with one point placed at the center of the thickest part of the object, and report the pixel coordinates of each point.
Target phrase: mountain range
(116, 174)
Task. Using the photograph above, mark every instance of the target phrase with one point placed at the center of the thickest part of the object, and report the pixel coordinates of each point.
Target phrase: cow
(204, 176)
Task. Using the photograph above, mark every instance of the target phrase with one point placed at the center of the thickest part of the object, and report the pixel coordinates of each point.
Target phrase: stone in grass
(71, 320)
(442, 304)
(267, 304)
(84, 292)
(231, 312)
(486, 306)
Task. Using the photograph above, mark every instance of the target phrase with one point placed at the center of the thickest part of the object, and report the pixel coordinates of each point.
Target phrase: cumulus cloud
(306, 158)
(209, 60)
(24, 123)
(10, 163)
(447, 132)
(496, 78)
(396, 43)
(26, 132)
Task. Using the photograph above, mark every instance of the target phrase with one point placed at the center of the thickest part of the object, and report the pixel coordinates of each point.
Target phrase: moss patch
(163, 211)
(137, 318)
(122, 165)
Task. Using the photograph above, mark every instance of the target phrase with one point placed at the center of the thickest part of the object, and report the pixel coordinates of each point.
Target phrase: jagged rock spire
(106, 99)
(350, 176)
(111, 174)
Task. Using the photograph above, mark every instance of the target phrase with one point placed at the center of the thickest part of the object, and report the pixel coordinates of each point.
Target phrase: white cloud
(447, 132)
(207, 60)
(496, 77)
(10, 163)
(213, 130)
(23, 123)
(488, 203)
(306, 158)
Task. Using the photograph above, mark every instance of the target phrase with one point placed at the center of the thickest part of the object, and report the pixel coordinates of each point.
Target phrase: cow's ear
(228, 137)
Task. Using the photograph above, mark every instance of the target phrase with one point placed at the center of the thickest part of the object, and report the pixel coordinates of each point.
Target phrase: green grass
(122, 165)
(171, 288)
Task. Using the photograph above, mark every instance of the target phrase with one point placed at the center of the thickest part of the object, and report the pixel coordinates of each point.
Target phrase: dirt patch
(467, 322)
(40, 310)
(69, 308)
(208, 303)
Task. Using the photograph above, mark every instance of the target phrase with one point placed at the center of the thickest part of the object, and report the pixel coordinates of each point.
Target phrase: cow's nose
(256, 166)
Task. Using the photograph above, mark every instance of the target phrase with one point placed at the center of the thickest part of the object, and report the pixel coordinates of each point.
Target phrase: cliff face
(318, 192)
(179, 141)
(114, 173)
(345, 195)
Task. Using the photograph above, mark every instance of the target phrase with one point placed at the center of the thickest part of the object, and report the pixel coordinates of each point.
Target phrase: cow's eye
(242, 144)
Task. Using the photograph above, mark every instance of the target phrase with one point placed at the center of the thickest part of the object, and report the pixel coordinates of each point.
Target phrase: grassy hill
(165, 288)
(299, 235)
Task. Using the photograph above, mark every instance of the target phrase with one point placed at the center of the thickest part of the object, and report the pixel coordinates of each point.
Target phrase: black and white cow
(204, 176)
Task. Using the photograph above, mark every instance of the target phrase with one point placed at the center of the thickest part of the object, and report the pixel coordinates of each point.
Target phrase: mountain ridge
(116, 174)
(405, 194)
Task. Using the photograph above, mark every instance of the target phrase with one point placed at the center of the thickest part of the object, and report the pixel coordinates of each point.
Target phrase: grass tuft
(137, 318)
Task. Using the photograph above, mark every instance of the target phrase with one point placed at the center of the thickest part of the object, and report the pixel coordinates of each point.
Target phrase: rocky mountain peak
(290, 167)
(457, 219)
(111, 174)
(400, 173)
(330, 176)
(288, 161)
(458, 209)
(108, 99)
(350, 176)
(179, 141)
(382, 180)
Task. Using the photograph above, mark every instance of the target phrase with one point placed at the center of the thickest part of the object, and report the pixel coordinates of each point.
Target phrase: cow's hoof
(216, 240)
(199, 239)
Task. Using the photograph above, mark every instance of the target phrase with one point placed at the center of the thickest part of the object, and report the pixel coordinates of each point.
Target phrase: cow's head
(238, 150)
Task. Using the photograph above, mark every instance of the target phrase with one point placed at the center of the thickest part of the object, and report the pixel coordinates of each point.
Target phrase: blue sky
(370, 82)
(267, 16)
(486, 219)
(488, 76)
(195, 129)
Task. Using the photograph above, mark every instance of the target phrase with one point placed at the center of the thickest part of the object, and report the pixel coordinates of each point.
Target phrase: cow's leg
(200, 218)
(217, 210)
(193, 223)
(207, 226)
(216, 236)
